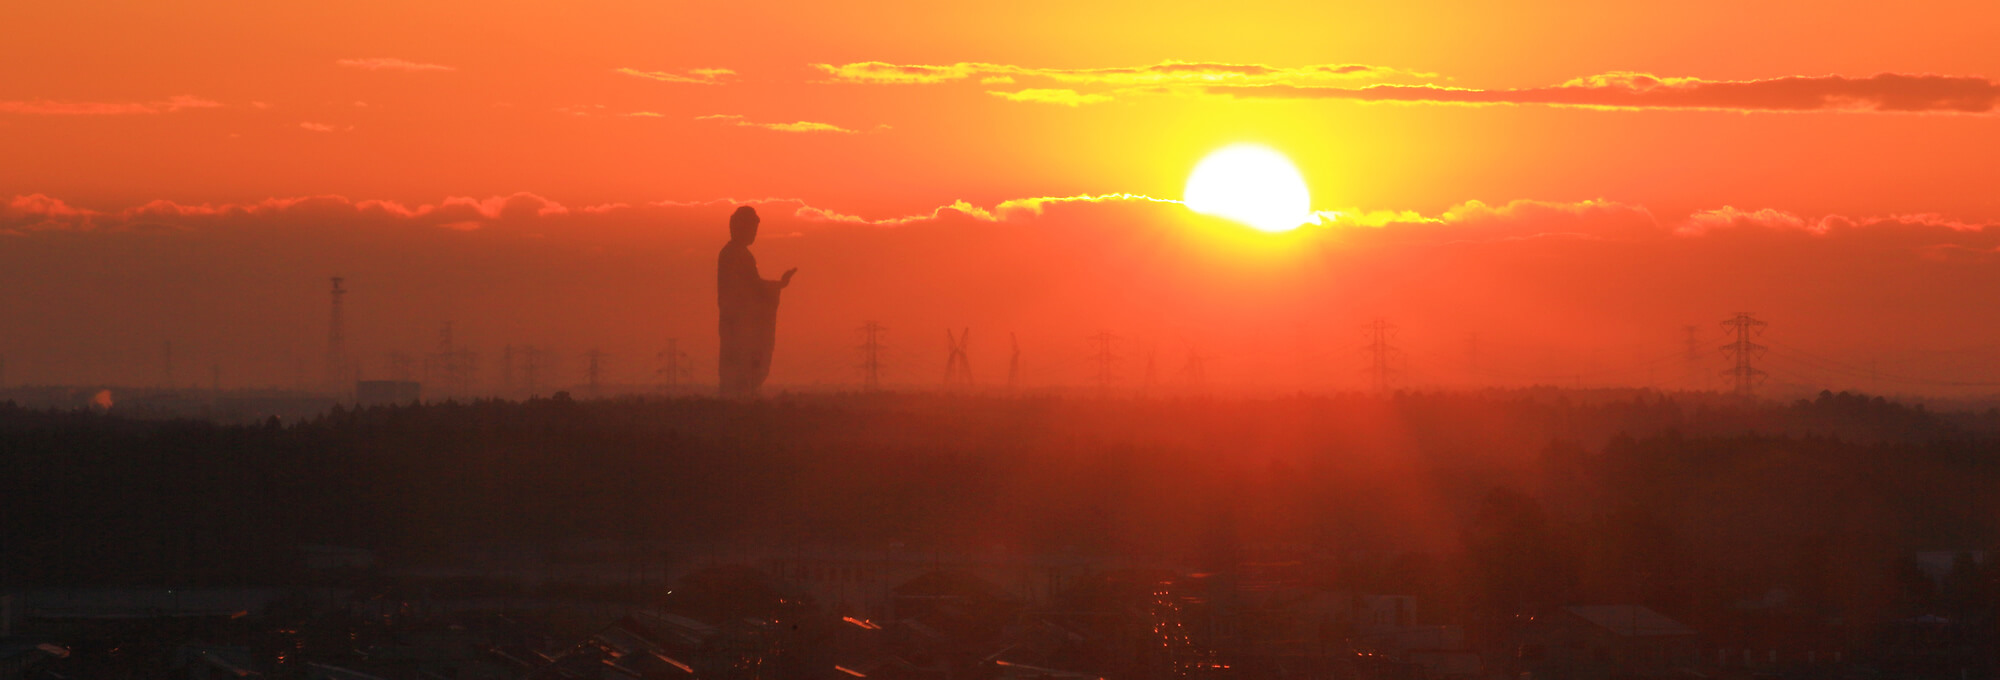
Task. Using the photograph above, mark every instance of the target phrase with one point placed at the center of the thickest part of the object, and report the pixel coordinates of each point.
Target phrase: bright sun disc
(1251, 184)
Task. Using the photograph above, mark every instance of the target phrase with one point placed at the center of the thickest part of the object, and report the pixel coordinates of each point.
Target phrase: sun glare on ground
(1251, 184)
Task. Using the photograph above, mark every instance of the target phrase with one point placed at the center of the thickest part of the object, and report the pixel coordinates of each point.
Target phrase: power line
(1818, 362)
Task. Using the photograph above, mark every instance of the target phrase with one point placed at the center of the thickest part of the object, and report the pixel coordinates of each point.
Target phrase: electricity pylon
(1150, 378)
(1194, 373)
(533, 358)
(1105, 355)
(1743, 352)
(507, 370)
(678, 366)
(1693, 357)
(1014, 363)
(871, 356)
(1381, 354)
(451, 366)
(958, 368)
(1472, 358)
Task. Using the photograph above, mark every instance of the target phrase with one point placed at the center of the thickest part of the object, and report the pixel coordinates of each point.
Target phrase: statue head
(743, 225)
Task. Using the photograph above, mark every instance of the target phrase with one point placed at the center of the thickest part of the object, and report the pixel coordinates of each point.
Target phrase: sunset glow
(559, 176)
(918, 339)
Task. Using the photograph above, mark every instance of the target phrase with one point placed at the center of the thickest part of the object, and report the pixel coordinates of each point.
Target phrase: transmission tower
(1693, 356)
(596, 361)
(1743, 352)
(1151, 376)
(1104, 354)
(402, 366)
(957, 367)
(871, 356)
(1472, 358)
(1194, 373)
(679, 366)
(336, 338)
(533, 359)
(1013, 363)
(451, 366)
(507, 369)
(1381, 354)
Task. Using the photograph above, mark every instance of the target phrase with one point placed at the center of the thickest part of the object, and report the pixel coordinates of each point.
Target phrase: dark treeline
(1482, 503)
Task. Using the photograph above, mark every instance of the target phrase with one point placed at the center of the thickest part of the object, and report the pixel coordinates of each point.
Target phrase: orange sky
(1783, 118)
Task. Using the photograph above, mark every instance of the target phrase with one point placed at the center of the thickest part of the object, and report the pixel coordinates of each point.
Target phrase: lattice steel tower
(1743, 352)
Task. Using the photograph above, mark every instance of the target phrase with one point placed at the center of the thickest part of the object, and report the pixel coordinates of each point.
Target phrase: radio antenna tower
(336, 338)
(958, 368)
(1380, 354)
(871, 356)
(678, 365)
(1104, 354)
(1014, 363)
(1743, 352)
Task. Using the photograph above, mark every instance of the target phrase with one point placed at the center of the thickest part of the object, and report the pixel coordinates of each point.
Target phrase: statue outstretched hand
(787, 279)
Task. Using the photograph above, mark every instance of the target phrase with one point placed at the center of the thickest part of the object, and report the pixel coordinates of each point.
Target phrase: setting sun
(1251, 184)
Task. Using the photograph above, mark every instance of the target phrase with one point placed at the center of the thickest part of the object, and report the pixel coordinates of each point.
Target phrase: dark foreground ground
(1558, 534)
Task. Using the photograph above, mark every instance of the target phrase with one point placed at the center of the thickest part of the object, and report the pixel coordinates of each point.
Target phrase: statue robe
(749, 324)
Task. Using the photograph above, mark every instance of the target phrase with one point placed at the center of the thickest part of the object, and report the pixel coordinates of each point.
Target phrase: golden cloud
(49, 107)
(697, 76)
(392, 64)
(799, 126)
(1163, 73)
(1060, 97)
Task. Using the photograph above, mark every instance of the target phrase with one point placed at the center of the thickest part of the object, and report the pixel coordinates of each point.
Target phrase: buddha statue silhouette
(749, 309)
